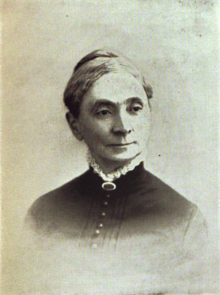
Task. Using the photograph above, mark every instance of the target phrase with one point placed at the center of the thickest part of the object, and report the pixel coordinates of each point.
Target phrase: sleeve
(196, 267)
(196, 234)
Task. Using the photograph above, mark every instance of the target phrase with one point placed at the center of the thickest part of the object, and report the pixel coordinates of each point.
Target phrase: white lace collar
(110, 177)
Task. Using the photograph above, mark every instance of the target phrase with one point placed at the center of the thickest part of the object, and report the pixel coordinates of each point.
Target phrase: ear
(74, 126)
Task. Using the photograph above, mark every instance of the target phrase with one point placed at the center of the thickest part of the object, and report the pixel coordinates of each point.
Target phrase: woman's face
(114, 119)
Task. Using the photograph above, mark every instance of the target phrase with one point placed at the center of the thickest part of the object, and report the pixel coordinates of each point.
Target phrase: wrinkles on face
(115, 119)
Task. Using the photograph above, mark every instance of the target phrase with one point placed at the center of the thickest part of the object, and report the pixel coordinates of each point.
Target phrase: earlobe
(74, 126)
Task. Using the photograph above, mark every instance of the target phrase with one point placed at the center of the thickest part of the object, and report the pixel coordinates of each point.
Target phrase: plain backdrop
(175, 44)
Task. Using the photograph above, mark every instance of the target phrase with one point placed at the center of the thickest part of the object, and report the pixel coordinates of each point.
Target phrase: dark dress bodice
(142, 231)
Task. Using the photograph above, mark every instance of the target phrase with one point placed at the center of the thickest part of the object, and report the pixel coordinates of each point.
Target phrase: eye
(135, 108)
(103, 113)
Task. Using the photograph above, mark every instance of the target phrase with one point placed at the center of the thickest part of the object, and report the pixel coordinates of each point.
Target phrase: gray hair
(92, 67)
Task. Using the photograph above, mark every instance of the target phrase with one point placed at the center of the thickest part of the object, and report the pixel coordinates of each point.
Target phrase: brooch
(109, 186)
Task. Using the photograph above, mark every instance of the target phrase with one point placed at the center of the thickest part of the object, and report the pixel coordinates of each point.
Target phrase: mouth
(121, 144)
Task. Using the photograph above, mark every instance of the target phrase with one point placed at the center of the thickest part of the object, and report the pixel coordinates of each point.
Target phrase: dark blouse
(142, 227)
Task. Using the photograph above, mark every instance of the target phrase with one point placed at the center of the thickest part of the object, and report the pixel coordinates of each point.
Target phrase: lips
(121, 144)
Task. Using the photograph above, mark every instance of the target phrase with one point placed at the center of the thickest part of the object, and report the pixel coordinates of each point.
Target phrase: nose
(122, 124)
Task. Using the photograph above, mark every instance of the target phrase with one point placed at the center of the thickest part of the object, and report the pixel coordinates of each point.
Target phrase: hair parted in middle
(92, 67)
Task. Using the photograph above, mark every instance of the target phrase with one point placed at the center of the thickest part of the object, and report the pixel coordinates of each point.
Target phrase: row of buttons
(100, 225)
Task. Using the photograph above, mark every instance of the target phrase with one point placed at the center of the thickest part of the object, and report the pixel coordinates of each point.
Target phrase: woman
(117, 207)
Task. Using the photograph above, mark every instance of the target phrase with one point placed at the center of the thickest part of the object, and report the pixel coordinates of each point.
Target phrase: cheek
(143, 123)
(94, 132)
(143, 130)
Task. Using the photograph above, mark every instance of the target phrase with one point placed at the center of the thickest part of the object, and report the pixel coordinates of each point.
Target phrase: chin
(123, 158)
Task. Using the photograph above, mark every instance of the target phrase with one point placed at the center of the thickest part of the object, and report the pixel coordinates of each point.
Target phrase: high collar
(117, 173)
(130, 181)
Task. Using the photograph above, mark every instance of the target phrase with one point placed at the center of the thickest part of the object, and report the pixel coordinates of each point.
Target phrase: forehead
(116, 87)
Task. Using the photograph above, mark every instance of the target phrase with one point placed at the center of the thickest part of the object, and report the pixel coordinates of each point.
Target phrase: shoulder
(50, 207)
(160, 208)
(161, 196)
(171, 201)
(54, 197)
(164, 206)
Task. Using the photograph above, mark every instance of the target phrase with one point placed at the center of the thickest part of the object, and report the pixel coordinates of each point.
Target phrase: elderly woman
(118, 209)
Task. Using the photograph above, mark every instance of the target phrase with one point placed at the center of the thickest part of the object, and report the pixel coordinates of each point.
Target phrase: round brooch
(109, 186)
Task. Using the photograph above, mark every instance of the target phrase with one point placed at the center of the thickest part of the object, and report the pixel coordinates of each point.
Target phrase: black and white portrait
(110, 142)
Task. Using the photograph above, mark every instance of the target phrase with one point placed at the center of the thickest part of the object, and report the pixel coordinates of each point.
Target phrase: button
(103, 214)
(94, 246)
(108, 196)
(105, 203)
(97, 232)
(100, 225)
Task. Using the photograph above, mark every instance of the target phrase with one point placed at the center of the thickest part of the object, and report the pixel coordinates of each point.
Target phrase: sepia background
(175, 44)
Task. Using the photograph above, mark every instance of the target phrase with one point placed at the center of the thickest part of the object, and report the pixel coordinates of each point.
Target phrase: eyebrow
(106, 102)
